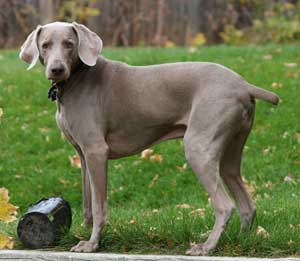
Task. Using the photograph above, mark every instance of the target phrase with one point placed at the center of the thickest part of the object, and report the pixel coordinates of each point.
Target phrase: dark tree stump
(45, 223)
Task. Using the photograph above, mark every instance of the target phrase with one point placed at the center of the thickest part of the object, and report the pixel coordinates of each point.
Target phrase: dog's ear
(89, 44)
(29, 50)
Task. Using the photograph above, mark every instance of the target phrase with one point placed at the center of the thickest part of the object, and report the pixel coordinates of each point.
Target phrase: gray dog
(108, 110)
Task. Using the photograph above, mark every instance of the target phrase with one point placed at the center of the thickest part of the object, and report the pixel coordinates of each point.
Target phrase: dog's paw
(85, 246)
(197, 250)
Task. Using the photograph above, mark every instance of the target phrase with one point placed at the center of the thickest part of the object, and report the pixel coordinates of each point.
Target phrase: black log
(45, 223)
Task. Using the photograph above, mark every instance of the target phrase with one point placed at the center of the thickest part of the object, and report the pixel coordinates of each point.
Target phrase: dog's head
(60, 46)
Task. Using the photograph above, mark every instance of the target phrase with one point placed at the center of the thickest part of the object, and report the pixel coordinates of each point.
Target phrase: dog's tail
(261, 94)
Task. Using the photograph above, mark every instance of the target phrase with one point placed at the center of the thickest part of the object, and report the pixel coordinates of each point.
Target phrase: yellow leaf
(43, 130)
(184, 206)
(290, 65)
(276, 85)
(1, 113)
(260, 231)
(8, 211)
(146, 153)
(132, 221)
(199, 212)
(75, 161)
(6, 242)
(157, 158)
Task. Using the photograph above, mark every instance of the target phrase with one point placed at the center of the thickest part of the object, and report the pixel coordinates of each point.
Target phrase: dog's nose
(57, 69)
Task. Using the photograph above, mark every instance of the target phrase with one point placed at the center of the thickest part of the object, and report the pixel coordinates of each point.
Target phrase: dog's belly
(121, 145)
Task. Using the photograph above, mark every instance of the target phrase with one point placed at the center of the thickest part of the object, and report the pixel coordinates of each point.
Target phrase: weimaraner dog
(108, 110)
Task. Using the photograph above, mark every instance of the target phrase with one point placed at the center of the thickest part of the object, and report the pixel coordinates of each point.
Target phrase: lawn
(144, 195)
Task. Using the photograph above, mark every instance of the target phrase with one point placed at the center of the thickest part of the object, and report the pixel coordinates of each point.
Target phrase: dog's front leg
(96, 163)
(86, 194)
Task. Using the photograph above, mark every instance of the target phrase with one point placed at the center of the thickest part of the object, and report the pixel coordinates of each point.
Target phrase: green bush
(280, 25)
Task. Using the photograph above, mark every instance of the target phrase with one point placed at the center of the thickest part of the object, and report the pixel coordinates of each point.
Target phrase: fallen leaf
(297, 136)
(290, 65)
(289, 179)
(75, 161)
(182, 168)
(292, 75)
(6, 242)
(199, 212)
(9, 88)
(43, 130)
(260, 231)
(153, 181)
(1, 114)
(156, 158)
(146, 153)
(117, 189)
(184, 206)
(63, 181)
(276, 85)
(8, 211)
(268, 57)
(132, 221)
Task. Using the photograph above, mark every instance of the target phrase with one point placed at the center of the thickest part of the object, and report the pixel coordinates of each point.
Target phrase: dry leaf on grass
(268, 57)
(157, 158)
(153, 181)
(146, 153)
(182, 168)
(289, 179)
(292, 74)
(290, 65)
(43, 130)
(184, 206)
(8, 211)
(198, 212)
(132, 221)
(75, 161)
(277, 85)
(6, 242)
(1, 114)
(297, 136)
(260, 231)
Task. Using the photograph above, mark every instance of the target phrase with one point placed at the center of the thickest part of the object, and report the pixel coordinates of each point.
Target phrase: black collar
(55, 92)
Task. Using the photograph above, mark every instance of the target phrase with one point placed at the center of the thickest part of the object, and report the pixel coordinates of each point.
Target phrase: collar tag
(54, 92)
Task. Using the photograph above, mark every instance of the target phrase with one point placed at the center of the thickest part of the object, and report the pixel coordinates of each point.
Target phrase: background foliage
(159, 22)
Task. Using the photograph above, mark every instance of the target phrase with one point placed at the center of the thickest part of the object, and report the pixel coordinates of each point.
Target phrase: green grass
(35, 163)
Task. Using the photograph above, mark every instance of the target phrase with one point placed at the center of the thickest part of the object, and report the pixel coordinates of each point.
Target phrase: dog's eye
(45, 45)
(68, 45)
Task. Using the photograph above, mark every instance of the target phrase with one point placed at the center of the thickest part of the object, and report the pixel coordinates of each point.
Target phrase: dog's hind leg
(204, 144)
(230, 170)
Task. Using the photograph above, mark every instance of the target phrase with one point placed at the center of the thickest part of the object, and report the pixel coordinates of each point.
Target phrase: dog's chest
(63, 123)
